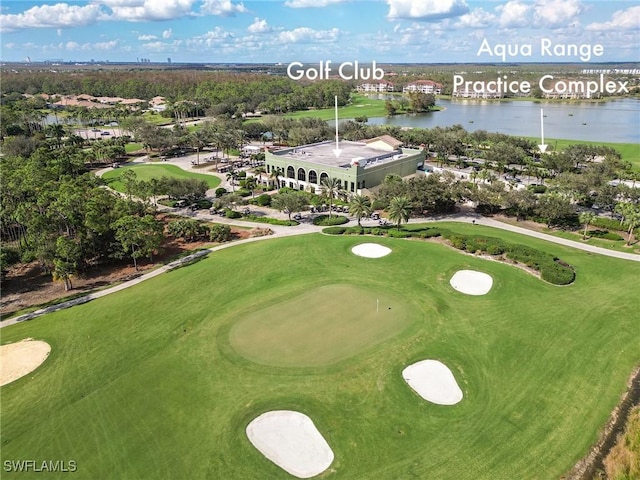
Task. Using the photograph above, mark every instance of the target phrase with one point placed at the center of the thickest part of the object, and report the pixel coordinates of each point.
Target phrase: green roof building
(360, 165)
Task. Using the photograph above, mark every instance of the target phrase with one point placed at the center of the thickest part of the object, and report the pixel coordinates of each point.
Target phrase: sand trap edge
(21, 358)
(291, 441)
(471, 282)
(433, 381)
(370, 250)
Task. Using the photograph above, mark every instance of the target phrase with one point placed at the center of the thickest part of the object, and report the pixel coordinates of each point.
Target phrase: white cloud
(478, 18)
(513, 14)
(149, 10)
(628, 19)
(213, 38)
(426, 9)
(146, 38)
(310, 3)
(110, 45)
(222, 7)
(167, 33)
(60, 15)
(72, 46)
(259, 26)
(308, 35)
(556, 13)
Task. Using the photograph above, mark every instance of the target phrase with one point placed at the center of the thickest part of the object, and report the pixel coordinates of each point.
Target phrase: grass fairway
(322, 326)
(360, 106)
(147, 172)
(147, 384)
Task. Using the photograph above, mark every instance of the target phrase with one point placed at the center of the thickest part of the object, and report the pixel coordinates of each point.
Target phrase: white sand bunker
(433, 381)
(371, 250)
(471, 282)
(291, 441)
(20, 358)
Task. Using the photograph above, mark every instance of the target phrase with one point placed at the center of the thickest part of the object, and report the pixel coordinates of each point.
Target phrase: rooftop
(323, 153)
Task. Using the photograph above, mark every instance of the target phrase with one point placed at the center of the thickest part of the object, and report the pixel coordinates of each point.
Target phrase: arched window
(313, 177)
(302, 175)
(323, 177)
(291, 172)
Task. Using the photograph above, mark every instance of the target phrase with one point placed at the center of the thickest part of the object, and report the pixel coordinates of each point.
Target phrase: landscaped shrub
(495, 249)
(557, 274)
(220, 191)
(327, 221)
(243, 192)
(605, 234)
(271, 221)
(431, 233)
(334, 230)
(263, 200)
(220, 233)
(537, 188)
(607, 224)
(231, 213)
(395, 233)
(551, 269)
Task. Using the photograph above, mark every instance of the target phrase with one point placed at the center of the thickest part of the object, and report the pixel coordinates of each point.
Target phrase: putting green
(322, 326)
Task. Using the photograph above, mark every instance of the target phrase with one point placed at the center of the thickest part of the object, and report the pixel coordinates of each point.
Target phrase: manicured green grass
(361, 106)
(630, 151)
(132, 147)
(147, 172)
(308, 329)
(148, 383)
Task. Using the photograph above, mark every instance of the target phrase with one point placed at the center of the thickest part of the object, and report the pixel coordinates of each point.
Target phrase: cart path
(305, 228)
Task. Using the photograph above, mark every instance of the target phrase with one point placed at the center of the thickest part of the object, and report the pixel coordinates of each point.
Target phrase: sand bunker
(433, 381)
(291, 441)
(471, 282)
(371, 250)
(20, 358)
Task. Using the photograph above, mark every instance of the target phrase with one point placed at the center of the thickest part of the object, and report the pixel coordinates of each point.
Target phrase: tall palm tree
(360, 206)
(276, 173)
(399, 210)
(331, 187)
(586, 218)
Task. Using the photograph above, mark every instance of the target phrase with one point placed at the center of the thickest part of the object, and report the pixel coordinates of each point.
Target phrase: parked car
(105, 133)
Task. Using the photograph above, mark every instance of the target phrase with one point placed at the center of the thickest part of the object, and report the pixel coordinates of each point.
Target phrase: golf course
(147, 172)
(161, 380)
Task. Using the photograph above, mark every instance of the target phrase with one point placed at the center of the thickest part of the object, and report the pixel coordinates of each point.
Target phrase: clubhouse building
(361, 165)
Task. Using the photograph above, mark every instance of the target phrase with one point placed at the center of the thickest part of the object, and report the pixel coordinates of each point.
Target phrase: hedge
(271, 221)
(551, 268)
(327, 221)
(427, 232)
(605, 234)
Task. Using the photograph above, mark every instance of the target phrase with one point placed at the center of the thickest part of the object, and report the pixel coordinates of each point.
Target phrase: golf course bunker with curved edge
(371, 250)
(291, 440)
(21, 358)
(319, 327)
(433, 381)
(471, 282)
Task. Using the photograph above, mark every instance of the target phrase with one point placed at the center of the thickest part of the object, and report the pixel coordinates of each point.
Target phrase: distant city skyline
(310, 31)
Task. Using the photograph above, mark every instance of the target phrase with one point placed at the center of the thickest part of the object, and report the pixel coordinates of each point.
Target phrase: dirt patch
(27, 285)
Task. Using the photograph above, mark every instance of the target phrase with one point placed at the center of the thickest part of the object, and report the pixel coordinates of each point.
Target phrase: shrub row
(271, 221)
(381, 231)
(328, 221)
(607, 223)
(604, 234)
(551, 268)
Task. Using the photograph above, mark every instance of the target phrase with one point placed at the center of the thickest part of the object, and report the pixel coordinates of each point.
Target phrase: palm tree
(586, 218)
(276, 173)
(251, 184)
(232, 176)
(360, 206)
(331, 187)
(399, 210)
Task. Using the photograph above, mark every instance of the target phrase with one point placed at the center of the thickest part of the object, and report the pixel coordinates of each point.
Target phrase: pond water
(611, 121)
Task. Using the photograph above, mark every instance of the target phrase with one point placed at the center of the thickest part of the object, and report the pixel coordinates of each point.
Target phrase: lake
(615, 121)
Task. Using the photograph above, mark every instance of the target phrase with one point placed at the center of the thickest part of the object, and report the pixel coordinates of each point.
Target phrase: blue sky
(397, 31)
